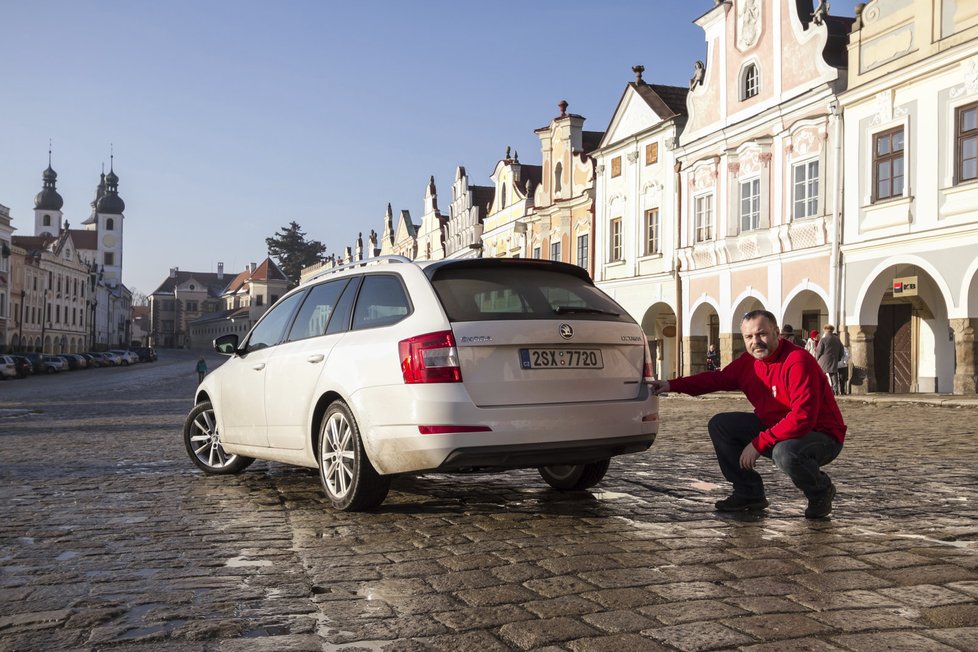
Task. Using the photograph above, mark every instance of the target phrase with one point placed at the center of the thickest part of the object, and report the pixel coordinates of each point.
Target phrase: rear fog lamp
(448, 430)
(650, 417)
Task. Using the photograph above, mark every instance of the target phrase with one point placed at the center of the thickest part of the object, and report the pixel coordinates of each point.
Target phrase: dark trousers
(801, 459)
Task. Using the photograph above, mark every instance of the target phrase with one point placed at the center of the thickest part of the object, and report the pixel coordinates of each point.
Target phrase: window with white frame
(703, 218)
(582, 250)
(750, 82)
(651, 231)
(750, 204)
(888, 164)
(805, 182)
(966, 157)
(614, 240)
(555, 250)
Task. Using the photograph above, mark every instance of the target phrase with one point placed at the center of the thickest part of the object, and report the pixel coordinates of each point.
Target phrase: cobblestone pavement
(110, 539)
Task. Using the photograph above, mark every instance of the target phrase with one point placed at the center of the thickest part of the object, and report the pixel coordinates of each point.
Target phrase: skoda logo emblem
(566, 331)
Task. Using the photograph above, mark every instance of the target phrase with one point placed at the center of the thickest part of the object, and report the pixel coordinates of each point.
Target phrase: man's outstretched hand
(659, 387)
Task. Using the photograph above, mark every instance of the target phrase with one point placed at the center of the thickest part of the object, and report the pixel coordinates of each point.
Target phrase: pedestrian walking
(844, 371)
(796, 421)
(788, 333)
(828, 353)
(812, 342)
(201, 369)
(712, 358)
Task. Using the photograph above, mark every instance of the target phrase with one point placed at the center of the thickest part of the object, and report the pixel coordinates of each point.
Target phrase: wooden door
(892, 349)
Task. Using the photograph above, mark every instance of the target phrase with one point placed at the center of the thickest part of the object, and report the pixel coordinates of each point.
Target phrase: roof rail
(376, 260)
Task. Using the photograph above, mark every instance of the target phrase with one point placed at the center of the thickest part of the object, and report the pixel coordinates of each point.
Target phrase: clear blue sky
(231, 119)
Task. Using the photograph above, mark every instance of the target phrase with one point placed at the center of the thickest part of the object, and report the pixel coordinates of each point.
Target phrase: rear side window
(487, 293)
(271, 329)
(316, 310)
(382, 301)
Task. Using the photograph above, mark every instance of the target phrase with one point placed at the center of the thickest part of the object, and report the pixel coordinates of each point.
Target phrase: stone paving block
(766, 604)
(970, 587)
(692, 637)
(841, 581)
(857, 620)
(482, 617)
(773, 627)
(620, 621)
(531, 634)
(795, 645)
(963, 638)
(761, 586)
(624, 598)
(518, 572)
(675, 613)
(565, 605)
(832, 600)
(832, 563)
(496, 595)
(759, 568)
(891, 642)
(552, 587)
(895, 559)
(934, 574)
(579, 563)
(302, 643)
(461, 580)
(616, 643)
(474, 640)
(925, 595)
(624, 577)
(954, 615)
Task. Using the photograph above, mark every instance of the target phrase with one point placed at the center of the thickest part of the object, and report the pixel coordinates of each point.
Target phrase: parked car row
(21, 365)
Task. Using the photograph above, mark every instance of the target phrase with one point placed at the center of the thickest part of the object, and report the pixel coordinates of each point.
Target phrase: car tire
(350, 481)
(203, 442)
(574, 477)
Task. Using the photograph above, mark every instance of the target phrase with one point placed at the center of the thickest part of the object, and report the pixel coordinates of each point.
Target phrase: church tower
(108, 225)
(47, 205)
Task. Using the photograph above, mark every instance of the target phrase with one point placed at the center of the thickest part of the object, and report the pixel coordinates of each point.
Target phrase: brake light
(647, 374)
(430, 358)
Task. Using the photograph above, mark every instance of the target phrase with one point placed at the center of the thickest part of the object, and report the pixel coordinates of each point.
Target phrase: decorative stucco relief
(806, 141)
(885, 48)
(748, 23)
(969, 74)
(885, 111)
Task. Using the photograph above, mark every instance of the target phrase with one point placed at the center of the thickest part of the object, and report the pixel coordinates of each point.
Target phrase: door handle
(259, 366)
(315, 357)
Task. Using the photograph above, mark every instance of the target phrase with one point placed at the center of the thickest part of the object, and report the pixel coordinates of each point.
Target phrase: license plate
(561, 359)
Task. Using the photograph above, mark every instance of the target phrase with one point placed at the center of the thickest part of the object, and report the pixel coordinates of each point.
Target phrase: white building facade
(911, 202)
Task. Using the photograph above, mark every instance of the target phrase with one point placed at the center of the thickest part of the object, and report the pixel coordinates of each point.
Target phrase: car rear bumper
(519, 456)
(511, 436)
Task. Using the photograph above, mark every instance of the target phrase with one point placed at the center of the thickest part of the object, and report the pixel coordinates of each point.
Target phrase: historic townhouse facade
(561, 226)
(911, 200)
(53, 290)
(431, 232)
(6, 251)
(635, 212)
(466, 214)
(760, 173)
(504, 232)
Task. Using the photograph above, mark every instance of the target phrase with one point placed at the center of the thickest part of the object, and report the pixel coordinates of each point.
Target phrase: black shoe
(737, 503)
(821, 506)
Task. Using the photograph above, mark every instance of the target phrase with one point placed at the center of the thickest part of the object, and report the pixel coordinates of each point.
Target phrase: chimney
(252, 267)
(173, 272)
(220, 271)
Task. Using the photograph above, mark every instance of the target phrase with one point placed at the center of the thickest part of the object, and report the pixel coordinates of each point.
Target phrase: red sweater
(789, 391)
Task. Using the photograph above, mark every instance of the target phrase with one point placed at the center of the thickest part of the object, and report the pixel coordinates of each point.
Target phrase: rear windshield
(487, 293)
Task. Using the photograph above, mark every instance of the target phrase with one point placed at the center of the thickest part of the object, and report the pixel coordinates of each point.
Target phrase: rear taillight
(430, 358)
(647, 374)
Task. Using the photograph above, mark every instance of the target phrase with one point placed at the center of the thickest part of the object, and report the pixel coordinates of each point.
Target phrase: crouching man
(796, 421)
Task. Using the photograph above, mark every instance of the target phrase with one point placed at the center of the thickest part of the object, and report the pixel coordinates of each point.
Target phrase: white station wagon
(389, 366)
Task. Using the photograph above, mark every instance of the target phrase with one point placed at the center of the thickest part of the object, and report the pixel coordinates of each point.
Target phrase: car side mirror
(226, 344)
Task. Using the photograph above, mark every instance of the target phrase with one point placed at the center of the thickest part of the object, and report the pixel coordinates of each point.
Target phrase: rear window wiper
(560, 310)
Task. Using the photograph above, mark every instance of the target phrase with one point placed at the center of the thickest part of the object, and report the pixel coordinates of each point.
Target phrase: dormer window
(750, 84)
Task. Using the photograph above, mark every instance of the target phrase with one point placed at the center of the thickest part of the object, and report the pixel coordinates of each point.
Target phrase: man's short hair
(829, 327)
(767, 314)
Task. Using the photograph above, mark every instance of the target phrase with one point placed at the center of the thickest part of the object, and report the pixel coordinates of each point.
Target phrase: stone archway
(732, 346)
(904, 341)
(659, 325)
(704, 320)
